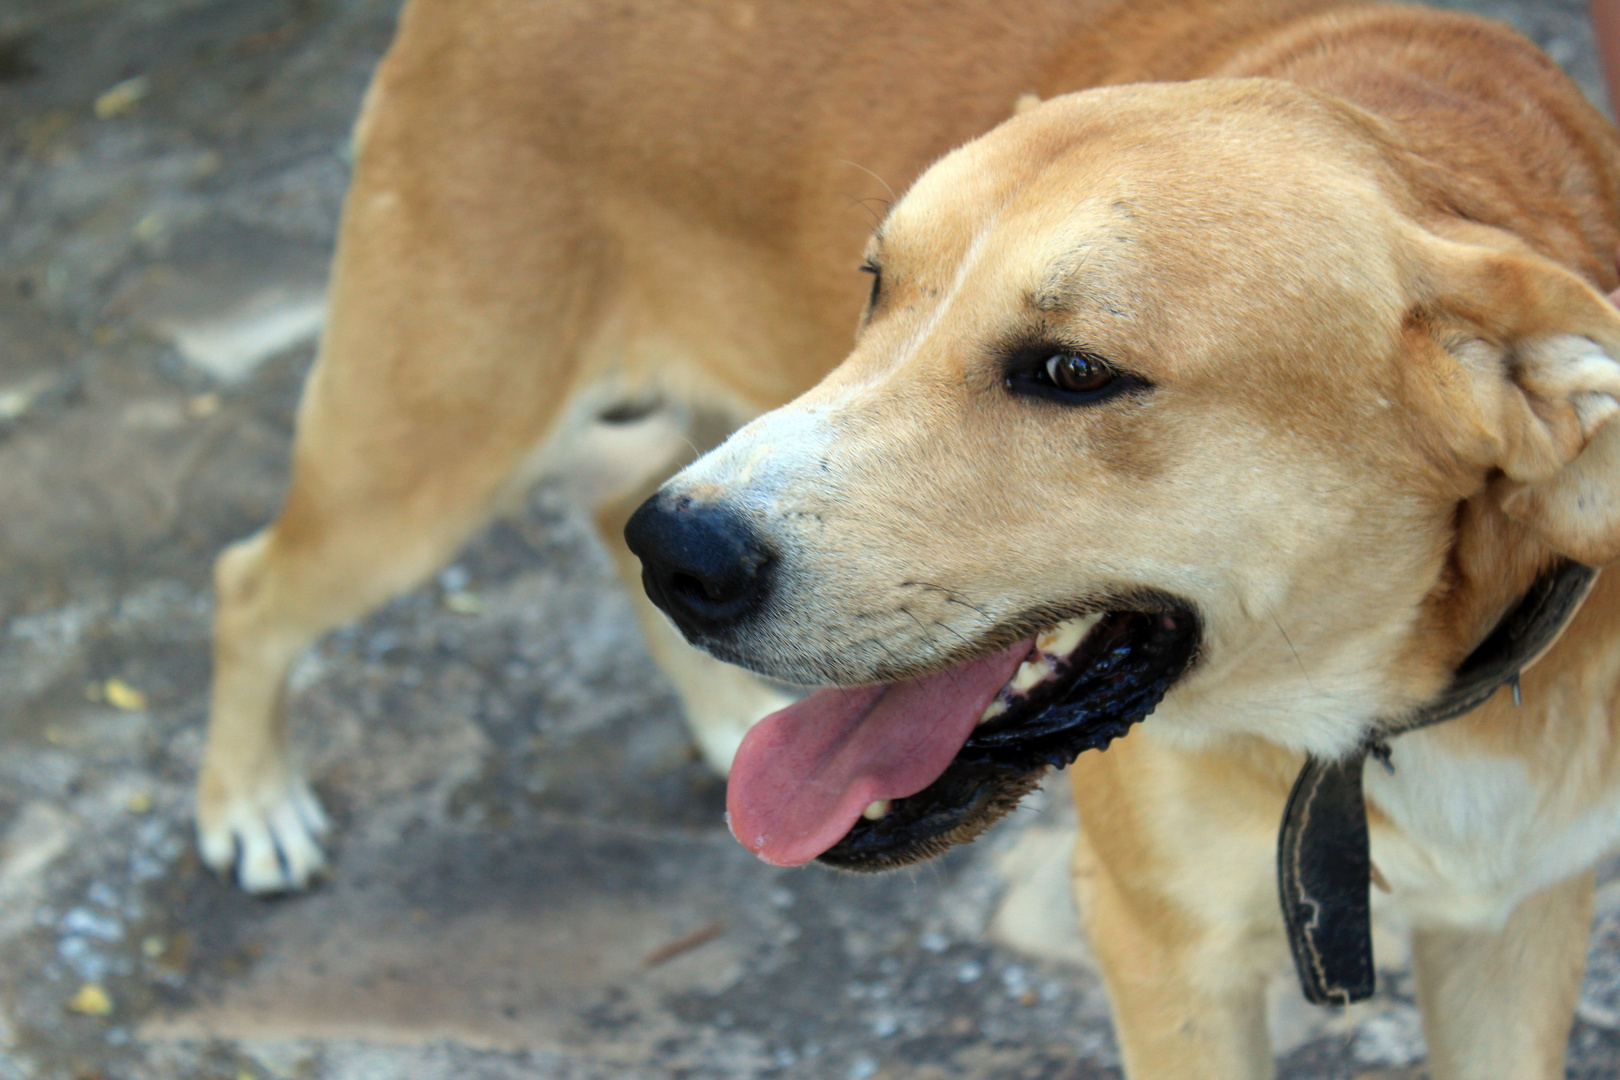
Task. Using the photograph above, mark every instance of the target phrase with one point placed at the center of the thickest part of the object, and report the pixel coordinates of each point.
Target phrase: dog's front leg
(721, 701)
(1173, 878)
(1498, 1004)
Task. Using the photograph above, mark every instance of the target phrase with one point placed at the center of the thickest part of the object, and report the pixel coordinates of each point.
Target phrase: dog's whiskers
(873, 175)
(1278, 623)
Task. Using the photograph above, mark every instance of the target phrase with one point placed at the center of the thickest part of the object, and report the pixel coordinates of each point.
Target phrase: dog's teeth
(993, 710)
(1066, 636)
(1031, 673)
(876, 810)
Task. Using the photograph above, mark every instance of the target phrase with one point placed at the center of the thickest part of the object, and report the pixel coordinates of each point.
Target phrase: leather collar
(1323, 866)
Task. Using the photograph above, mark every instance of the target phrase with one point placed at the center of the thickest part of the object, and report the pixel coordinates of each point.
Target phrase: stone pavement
(533, 879)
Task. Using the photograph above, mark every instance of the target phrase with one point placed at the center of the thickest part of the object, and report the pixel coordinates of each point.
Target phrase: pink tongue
(803, 775)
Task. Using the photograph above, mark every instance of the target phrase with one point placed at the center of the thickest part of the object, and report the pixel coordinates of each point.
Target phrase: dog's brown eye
(1069, 376)
(1077, 373)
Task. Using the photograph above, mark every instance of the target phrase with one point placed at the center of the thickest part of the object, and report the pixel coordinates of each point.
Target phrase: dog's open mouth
(876, 777)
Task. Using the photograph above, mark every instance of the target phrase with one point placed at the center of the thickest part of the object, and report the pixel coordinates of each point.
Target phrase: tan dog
(1273, 390)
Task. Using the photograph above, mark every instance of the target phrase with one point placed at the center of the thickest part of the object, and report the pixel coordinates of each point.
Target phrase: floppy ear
(1538, 347)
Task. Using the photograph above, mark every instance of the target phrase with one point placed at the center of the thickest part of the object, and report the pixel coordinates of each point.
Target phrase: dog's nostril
(691, 588)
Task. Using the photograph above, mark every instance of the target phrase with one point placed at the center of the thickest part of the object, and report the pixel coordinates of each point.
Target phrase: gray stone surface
(533, 878)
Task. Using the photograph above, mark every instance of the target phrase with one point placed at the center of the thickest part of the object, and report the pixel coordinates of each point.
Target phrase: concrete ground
(532, 877)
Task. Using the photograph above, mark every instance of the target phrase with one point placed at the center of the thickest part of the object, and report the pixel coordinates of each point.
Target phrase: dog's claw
(272, 846)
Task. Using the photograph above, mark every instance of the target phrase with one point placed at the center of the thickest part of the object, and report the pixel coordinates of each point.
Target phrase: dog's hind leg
(1497, 1004)
(464, 285)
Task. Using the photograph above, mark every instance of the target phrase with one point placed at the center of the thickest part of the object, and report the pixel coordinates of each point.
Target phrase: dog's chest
(1475, 834)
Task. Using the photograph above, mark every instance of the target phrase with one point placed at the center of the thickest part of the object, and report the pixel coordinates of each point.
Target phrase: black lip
(1128, 663)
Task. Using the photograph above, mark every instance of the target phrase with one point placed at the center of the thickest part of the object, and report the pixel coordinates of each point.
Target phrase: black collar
(1323, 866)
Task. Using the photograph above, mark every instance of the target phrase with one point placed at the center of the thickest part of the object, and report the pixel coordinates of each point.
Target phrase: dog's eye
(1078, 373)
(877, 282)
(1070, 376)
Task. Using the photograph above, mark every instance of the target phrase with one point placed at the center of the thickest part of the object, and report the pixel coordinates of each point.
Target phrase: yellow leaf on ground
(120, 100)
(91, 1000)
(13, 403)
(121, 695)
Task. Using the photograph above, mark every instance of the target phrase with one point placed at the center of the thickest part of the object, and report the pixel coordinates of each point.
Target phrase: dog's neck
(1493, 561)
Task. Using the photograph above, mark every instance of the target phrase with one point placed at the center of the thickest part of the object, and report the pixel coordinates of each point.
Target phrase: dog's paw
(271, 844)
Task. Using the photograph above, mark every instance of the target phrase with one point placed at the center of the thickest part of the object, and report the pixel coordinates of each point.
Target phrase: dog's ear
(1539, 353)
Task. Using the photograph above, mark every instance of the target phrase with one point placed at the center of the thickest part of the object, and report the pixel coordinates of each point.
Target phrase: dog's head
(1187, 391)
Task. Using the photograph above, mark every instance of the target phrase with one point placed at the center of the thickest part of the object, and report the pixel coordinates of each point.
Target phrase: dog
(1247, 377)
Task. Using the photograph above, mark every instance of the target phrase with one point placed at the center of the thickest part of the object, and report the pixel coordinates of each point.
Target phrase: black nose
(702, 564)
